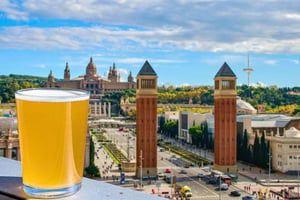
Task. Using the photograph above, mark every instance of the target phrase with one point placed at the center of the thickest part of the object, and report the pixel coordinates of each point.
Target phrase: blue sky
(185, 41)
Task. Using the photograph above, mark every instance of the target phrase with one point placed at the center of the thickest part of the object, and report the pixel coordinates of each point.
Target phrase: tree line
(10, 84)
(285, 100)
(257, 154)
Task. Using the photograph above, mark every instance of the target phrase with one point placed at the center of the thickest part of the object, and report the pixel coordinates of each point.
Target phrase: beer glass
(52, 126)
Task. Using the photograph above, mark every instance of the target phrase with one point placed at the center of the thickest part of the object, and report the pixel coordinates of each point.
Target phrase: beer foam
(51, 95)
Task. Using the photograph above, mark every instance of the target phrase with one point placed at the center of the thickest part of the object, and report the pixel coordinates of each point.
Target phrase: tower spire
(248, 70)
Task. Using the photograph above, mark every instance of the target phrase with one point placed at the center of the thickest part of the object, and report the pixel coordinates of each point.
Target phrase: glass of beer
(52, 125)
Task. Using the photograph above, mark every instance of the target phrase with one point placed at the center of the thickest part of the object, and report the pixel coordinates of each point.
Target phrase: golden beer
(52, 126)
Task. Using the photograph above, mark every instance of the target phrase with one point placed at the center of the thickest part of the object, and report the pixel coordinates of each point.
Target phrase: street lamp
(298, 175)
(269, 165)
(220, 187)
(141, 172)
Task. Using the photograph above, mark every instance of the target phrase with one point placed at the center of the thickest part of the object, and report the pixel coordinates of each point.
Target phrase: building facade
(285, 151)
(186, 121)
(283, 133)
(146, 122)
(9, 140)
(92, 82)
(225, 120)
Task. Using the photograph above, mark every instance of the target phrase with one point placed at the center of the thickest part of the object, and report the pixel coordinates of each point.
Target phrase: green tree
(195, 132)
(244, 147)
(264, 152)
(170, 129)
(92, 169)
(256, 151)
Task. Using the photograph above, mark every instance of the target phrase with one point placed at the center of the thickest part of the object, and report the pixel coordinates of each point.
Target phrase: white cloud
(24, 37)
(295, 16)
(132, 60)
(258, 84)
(197, 25)
(270, 62)
(42, 66)
(185, 84)
(142, 60)
(122, 72)
(13, 10)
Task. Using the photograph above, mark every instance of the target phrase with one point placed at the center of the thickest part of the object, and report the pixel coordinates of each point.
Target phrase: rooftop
(147, 70)
(267, 120)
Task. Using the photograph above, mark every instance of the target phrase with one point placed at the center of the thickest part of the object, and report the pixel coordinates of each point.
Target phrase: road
(199, 187)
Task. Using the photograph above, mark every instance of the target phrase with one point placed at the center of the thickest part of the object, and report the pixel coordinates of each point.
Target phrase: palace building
(92, 82)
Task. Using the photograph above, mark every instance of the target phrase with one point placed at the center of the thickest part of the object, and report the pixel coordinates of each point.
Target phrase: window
(228, 84)
(148, 83)
(2, 152)
(291, 146)
(14, 153)
(216, 84)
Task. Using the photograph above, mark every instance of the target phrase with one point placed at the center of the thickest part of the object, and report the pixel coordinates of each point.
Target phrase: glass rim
(52, 94)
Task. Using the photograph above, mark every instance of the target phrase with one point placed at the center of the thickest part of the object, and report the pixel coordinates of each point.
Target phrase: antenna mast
(248, 70)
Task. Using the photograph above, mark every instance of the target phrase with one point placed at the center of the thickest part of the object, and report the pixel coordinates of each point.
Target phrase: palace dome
(91, 68)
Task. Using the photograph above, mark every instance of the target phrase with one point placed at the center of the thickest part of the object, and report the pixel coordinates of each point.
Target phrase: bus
(226, 179)
(216, 174)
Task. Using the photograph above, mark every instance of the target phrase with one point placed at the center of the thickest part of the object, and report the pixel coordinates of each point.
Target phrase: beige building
(186, 121)
(286, 151)
(9, 140)
(171, 115)
(283, 133)
(92, 82)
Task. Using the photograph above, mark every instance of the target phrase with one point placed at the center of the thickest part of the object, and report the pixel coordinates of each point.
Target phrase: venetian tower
(225, 120)
(146, 122)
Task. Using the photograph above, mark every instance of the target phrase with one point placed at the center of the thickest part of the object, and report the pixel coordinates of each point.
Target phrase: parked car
(168, 170)
(223, 186)
(186, 165)
(161, 174)
(212, 181)
(183, 171)
(235, 193)
(168, 179)
(247, 197)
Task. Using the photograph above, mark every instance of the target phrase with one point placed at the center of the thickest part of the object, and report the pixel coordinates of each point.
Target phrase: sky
(185, 41)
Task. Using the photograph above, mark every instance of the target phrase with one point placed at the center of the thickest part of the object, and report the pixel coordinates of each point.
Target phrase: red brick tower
(146, 122)
(225, 120)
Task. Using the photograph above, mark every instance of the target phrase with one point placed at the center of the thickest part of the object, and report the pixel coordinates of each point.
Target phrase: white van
(224, 186)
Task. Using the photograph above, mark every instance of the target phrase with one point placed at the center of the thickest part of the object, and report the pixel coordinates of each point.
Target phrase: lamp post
(269, 165)
(298, 176)
(298, 182)
(220, 187)
(141, 180)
